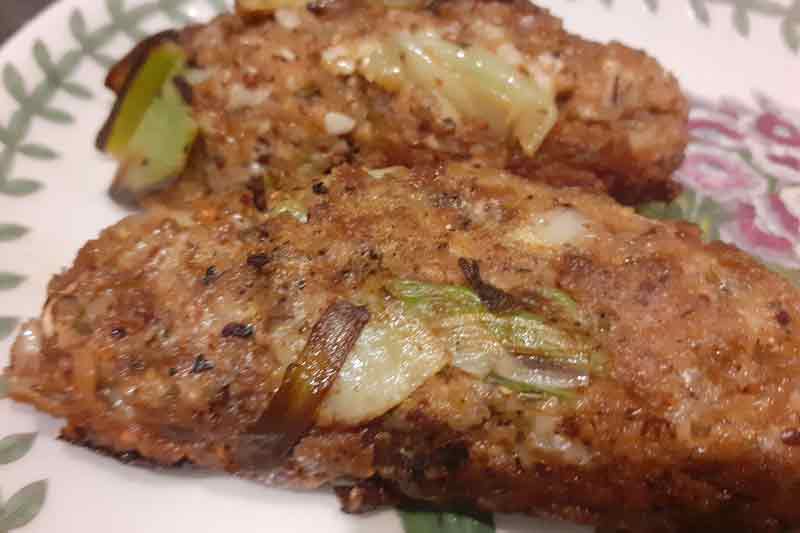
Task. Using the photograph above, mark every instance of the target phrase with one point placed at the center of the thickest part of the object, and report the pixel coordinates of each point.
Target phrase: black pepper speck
(258, 260)
(791, 437)
(235, 329)
(211, 275)
(258, 190)
(201, 364)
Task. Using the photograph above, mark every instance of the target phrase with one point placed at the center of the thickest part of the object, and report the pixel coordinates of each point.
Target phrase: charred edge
(730, 517)
(184, 89)
(783, 317)
(494, 299)
(79, 436)
(236, 329)
(211, 275)
(369, 495)
(623, 191)
(791, 437)
(118, 192)
(201, 364)
(259, 192)
(321, 7)
(122, 194)
(119, 73)
(251, 15)
(121, 77)
(258, 261)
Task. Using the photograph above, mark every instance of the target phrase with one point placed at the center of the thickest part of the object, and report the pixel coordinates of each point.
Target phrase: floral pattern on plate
(742, 177)
(747, 160)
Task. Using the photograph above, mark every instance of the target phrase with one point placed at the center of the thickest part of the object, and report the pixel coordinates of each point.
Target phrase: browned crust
(83, 438)
(692, 419)
(626, 143)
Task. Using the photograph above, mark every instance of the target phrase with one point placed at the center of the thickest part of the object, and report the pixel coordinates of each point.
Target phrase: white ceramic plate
(743, 172)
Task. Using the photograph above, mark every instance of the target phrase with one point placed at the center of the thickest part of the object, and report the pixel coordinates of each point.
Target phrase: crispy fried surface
(143, 347)
(264, 93)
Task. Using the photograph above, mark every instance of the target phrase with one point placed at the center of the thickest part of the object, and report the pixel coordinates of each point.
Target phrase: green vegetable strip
(292, 208)
(436, 522)
(560, 299)
(520, 332)
(527, 388)
(524, 333)
(161, 64)
(434, 298)
(473, 79)
(160, 146)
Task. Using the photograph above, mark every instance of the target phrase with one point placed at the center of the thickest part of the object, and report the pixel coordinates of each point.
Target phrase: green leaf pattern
(11, 232)
(15, 447)
(788, 13)
(7, 325)
(22, 187)
(26, 503)
(23, 506)
(9, 280)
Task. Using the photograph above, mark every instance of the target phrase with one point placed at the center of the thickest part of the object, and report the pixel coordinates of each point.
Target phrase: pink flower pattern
(746, 159)
(712, 171)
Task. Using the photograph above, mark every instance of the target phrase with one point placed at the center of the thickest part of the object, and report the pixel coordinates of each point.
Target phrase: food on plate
(452, 335)
(285, 88)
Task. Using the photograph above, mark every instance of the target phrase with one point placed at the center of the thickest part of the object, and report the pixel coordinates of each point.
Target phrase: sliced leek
(470, 82)
(293, 208)
(528, 388)
(541, 356)
(520, 332)
(151, 129)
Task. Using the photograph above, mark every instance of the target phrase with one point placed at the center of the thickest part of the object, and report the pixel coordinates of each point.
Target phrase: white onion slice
(394, 355)
(553, 229)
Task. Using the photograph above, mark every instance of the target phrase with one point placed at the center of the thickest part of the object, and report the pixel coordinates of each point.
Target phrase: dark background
(14, 13)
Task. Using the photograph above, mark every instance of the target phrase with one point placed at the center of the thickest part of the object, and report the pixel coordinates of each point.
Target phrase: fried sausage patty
(299, 92)
(172, 332)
